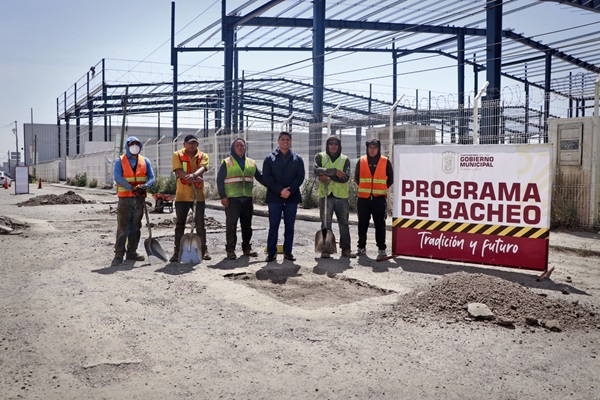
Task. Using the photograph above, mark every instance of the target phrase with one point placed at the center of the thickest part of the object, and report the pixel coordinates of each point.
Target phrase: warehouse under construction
(501, 85)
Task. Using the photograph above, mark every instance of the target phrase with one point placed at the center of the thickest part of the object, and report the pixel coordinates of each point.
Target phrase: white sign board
(481, 203)
(21, 180)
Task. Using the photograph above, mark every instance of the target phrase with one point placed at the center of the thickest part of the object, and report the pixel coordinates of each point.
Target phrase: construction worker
(374, 175)
(189, 166)
(333, 167)
(133, 175)
(235, 182)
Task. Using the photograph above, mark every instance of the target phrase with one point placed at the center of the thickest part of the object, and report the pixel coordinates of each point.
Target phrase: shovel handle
(147, 218)
(325, 210)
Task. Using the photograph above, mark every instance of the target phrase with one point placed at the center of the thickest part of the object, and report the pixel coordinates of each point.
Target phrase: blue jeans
(289, 211)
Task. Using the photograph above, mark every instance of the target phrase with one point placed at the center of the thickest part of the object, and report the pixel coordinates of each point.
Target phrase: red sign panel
(510, 251)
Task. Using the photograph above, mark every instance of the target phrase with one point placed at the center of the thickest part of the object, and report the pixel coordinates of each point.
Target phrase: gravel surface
(74, 327)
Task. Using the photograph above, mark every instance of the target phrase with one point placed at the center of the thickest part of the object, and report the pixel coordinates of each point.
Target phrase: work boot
(231, 255)
(118, 260)
(381, 255)
(135, 257)
(361, 251)
(348, 254)
(250, 253)
(174, 257)
(206, 256)
(325, 255)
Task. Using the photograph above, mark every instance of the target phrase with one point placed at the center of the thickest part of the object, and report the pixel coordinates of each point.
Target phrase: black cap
(374, 141)
(190, 138)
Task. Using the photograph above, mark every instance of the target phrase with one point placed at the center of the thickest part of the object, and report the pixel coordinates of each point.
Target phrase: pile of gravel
(512, 304)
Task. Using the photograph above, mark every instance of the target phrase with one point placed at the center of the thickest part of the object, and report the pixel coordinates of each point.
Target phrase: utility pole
(17, 139)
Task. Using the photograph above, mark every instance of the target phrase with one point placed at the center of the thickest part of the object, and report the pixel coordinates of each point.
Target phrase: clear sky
(47, 45)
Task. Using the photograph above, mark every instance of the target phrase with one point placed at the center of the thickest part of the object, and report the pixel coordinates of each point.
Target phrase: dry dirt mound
(49, 199)
(509, 301)
(209, 222)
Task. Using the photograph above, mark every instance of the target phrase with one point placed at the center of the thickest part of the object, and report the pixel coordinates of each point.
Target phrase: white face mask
(134, 149)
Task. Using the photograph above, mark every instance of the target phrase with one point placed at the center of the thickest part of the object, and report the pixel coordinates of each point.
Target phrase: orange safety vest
(135, 178)
(372, 185)
(187, 166)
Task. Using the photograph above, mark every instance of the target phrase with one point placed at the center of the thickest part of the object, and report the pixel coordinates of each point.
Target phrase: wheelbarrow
(162, 200)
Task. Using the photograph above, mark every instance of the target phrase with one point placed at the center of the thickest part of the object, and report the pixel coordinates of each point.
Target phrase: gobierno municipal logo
(475, 161)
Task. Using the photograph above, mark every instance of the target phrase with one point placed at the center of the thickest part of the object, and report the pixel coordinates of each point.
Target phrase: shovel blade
(325, 242)
(153, 248)
(190, 249)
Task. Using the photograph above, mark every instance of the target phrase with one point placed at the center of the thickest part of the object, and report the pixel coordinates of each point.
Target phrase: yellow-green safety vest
(338, 189)
(239, 183)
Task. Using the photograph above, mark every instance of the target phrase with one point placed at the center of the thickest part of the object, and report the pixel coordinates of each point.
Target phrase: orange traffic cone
(40, 184)
(6, 184)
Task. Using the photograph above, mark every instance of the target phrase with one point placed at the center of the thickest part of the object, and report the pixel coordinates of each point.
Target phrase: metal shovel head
(325, 241)
(153, 249)
(190, 249)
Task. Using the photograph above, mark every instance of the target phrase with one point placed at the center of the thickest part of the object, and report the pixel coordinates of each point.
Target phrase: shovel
(151, 245)
(190, 246)
(324, 238)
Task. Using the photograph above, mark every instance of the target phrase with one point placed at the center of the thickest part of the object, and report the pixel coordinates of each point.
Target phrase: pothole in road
(311, 291)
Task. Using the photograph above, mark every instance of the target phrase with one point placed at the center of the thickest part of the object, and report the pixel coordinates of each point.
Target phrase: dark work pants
(377, 208)
(240, 208)
(129, 222)
(341, 207)
(182, 208)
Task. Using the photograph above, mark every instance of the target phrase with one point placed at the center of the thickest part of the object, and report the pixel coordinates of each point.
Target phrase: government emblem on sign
(448, 162)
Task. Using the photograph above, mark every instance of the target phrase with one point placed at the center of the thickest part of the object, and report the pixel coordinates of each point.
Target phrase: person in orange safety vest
(374, 175)
(134, 175)
(189, 165)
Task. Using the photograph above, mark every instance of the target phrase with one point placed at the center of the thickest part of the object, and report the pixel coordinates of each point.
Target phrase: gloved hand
(140, 190)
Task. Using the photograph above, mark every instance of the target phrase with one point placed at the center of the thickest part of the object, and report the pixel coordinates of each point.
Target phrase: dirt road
(72, 327)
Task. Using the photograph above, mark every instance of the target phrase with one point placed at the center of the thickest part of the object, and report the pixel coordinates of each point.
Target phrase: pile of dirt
(49, 199)
(209, 223)
(166, 223)
(511, 303)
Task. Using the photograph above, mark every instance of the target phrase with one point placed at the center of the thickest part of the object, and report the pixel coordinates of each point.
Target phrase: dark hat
(285, 133)
(190, 138)
(374, 141)
(334, 138)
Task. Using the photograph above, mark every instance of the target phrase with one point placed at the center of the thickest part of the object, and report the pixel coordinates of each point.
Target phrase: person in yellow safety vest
(189, 166)
(374, 175)
(235, 182)
(133, 175)
(333, 166)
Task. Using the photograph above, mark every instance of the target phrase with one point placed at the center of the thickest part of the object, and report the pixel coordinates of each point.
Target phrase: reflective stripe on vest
(372, 185)
(137, 177)
(186, 163)
(338, 189)
(239, 183)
